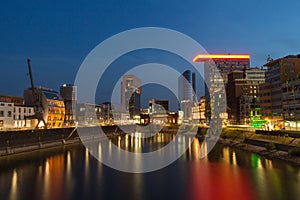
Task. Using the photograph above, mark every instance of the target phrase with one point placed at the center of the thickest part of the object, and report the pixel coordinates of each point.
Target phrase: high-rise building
(194, 96)
(69, 94)
(131, 95)
(216, 69)
(186, 93)
(279, 76)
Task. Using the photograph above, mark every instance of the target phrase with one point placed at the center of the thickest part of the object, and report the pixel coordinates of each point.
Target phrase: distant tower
(131, 94)
(69, 94)
(186, 94)
(194, 87)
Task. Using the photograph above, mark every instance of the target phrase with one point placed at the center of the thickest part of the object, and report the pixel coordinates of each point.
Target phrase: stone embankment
(19, 141)
(266, 143)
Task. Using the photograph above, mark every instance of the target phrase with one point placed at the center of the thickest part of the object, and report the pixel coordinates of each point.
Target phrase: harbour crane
(37, 100)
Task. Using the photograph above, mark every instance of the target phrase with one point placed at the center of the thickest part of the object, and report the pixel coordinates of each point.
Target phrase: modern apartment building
(279, 88)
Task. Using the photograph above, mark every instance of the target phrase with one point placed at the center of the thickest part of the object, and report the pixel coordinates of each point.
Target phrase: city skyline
(150, 99)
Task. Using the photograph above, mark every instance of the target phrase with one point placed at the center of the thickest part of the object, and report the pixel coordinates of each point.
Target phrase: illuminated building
(166, 119)
(69, 94)
(216, 69)
(198, 112)
(265, 99)
(158, 106)
(21, 113)
(131, 95)
(13, 112)
(120, 116)
(255, 114)
(6, 115)
(242, 92)
(14, 115)
(88, 114)
(106, 115)
(186, 94)
(277, 92)
(51, 103)
(158, 112)
(291, 103)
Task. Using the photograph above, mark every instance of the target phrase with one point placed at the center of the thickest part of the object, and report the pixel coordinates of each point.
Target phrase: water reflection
(217, 180)
(69, 167)
(71, 173)
(46, 179)
(13, 189)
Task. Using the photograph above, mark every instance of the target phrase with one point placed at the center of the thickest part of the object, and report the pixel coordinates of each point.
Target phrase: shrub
(294, 151)
(202, 131)
(270, 146)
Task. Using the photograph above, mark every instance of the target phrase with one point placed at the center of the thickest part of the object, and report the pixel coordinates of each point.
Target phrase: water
(72, 173)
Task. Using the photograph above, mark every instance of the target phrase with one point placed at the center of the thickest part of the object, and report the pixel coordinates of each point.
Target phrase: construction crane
(37, 100)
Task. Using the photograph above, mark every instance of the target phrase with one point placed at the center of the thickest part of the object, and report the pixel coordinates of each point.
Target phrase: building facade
(277, 89)
(187, 94)
(21, 114)
(12, 99)
(131, 95)
(216, 70)
(68, 93)
(50, 103)
(291, 104)
(6, 115)
(88, 114)
(15, 116)
(242, 93)
(198, 112)
(158, 106)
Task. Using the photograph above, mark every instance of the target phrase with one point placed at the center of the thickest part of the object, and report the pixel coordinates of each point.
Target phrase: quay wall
(18, 141)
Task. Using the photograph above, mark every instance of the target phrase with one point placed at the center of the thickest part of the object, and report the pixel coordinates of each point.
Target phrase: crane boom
(37, 100)
(31, 78)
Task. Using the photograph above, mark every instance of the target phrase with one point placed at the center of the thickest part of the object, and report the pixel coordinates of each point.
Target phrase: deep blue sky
(58, 35)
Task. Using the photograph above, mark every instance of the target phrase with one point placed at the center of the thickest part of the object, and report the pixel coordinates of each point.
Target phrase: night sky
(58, 35)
